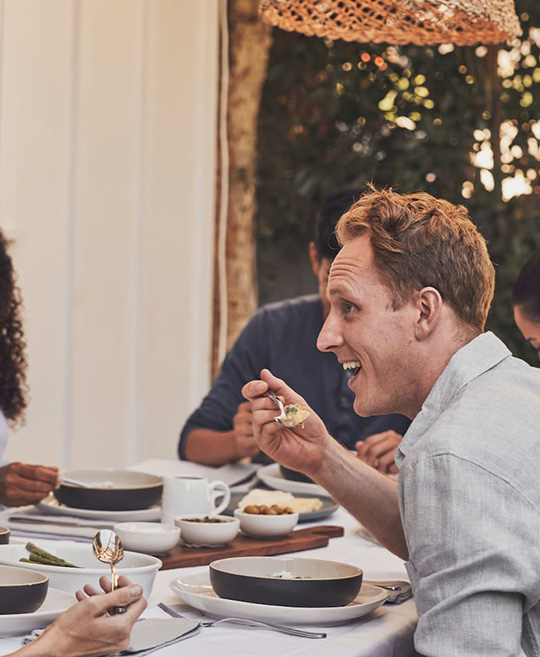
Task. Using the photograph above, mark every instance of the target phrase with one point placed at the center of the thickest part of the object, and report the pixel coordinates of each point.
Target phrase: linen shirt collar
(468, 363)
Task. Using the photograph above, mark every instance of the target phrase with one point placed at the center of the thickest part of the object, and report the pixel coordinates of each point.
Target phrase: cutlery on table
(55, 520)
(398, 592)
(251, 623)
(85, 484)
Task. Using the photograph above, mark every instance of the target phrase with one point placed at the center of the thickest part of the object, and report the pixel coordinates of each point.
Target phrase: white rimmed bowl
(266, 526)
(21, 591)
(140, 569)
(148, 537)
(207, 533)
(288, 581)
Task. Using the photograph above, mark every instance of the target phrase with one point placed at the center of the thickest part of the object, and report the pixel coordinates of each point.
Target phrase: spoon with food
(291, 415)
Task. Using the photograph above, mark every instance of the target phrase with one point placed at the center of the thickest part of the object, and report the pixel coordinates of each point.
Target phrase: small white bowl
(148, 537)
(207, 533)
(266, 526)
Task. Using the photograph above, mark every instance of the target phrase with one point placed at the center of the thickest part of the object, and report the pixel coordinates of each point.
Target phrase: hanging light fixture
(422, 22)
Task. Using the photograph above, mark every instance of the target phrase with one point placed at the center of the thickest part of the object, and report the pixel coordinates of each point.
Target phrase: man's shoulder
(298, 309)
(304, 303)
(493, 422)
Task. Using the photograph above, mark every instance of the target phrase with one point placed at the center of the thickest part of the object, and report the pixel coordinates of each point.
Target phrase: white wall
(107, 135)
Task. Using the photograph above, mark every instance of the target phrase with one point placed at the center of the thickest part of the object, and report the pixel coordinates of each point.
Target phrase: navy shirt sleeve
(243, 363)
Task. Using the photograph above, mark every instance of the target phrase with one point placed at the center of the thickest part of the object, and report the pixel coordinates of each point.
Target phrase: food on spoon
(295, 415)
(259, 496)
(41, 556)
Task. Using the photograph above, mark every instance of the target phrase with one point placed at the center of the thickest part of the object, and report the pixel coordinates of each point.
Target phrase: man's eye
(348, 308)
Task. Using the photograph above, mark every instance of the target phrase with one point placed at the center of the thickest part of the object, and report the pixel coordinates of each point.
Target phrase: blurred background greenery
(414, 118)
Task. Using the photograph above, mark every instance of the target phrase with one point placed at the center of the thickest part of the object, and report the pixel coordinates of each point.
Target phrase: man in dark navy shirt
(283, 338)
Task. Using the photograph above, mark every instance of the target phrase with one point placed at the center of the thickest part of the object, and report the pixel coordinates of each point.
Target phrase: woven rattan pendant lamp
(423, 22)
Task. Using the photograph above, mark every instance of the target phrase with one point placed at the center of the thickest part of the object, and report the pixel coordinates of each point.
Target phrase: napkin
(149, 634)
(30, 522)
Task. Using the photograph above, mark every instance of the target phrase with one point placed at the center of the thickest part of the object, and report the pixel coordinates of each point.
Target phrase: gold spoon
(108, 548)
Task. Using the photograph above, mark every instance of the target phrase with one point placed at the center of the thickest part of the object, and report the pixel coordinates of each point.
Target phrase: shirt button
(344, 401)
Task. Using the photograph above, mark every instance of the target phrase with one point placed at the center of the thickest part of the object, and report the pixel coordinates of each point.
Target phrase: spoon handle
(114, 585)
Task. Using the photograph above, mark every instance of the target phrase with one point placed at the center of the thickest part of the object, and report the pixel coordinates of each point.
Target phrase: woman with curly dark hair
(20, 483)
(526, 302)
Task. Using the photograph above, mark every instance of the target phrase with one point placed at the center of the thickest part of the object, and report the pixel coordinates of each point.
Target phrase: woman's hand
(21, 483)
(86, 628)
(301, 448)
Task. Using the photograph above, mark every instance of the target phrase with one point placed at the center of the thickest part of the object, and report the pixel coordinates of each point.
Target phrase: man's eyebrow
(337, 289)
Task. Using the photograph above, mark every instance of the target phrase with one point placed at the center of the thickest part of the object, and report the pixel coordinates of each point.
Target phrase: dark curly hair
(13, 390)
(526, 292)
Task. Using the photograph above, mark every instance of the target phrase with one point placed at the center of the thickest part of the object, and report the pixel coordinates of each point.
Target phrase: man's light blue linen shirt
(469, 497)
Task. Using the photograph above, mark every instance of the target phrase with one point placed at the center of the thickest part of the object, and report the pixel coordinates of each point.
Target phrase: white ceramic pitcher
(185, 495)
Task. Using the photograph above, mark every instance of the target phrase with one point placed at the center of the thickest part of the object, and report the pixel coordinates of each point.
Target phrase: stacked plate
(109, 490)
(334, 591)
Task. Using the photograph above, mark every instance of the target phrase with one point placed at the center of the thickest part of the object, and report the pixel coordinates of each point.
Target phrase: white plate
(272, 477)
(196, 591)
(51, 506)
(55, 603)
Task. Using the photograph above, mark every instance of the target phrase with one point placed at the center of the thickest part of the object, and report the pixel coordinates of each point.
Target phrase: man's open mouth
(352, 367)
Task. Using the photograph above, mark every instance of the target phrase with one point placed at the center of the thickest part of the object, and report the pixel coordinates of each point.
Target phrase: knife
(63, 523)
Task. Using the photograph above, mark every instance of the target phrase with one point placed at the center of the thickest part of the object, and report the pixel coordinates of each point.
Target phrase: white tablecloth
(387, 632)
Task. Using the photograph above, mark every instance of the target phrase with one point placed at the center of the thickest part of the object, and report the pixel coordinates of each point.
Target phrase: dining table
(386, 632)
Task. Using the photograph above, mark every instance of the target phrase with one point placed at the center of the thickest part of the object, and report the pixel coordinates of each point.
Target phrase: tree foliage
(459, 123)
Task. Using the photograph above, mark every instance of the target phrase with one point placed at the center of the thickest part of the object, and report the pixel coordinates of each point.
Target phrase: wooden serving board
(244, 546)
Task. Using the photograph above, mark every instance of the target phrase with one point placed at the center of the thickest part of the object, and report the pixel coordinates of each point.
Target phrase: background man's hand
(301, 448)
(245, 443)
(22, 484)
(378, 451)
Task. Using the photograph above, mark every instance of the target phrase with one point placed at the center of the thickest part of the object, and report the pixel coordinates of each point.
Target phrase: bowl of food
(148, 537)
(286, 581)
(73, 564)
(109, 490)
(22, 591)
(200, 529)
(4, 535)
(294, 475)
(263, 521)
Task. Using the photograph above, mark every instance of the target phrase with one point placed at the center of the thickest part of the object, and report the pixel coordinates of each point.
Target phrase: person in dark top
(526, 302)
(283, 337)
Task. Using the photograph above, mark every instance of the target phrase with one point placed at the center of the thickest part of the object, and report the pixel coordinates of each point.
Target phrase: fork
(251, 623)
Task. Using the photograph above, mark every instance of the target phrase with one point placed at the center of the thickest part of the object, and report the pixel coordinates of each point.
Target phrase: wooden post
(250, 41)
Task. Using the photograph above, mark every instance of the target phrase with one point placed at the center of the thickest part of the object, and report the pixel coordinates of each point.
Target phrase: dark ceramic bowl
(286, 581)
(111, 490)
(294, 475)
(22, 591)
(4, 535)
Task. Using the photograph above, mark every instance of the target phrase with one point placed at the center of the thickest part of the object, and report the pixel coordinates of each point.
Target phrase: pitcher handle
(219, 488)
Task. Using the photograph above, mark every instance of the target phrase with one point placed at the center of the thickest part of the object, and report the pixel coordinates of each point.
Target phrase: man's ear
(314, 257)
(429, 306)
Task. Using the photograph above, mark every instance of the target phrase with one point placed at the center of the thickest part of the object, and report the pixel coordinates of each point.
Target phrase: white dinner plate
(272, 477)
(55, 603)
(51, 506)
(196, 591)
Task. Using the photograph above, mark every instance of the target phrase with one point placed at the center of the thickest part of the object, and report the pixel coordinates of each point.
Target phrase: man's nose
(329, 337)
